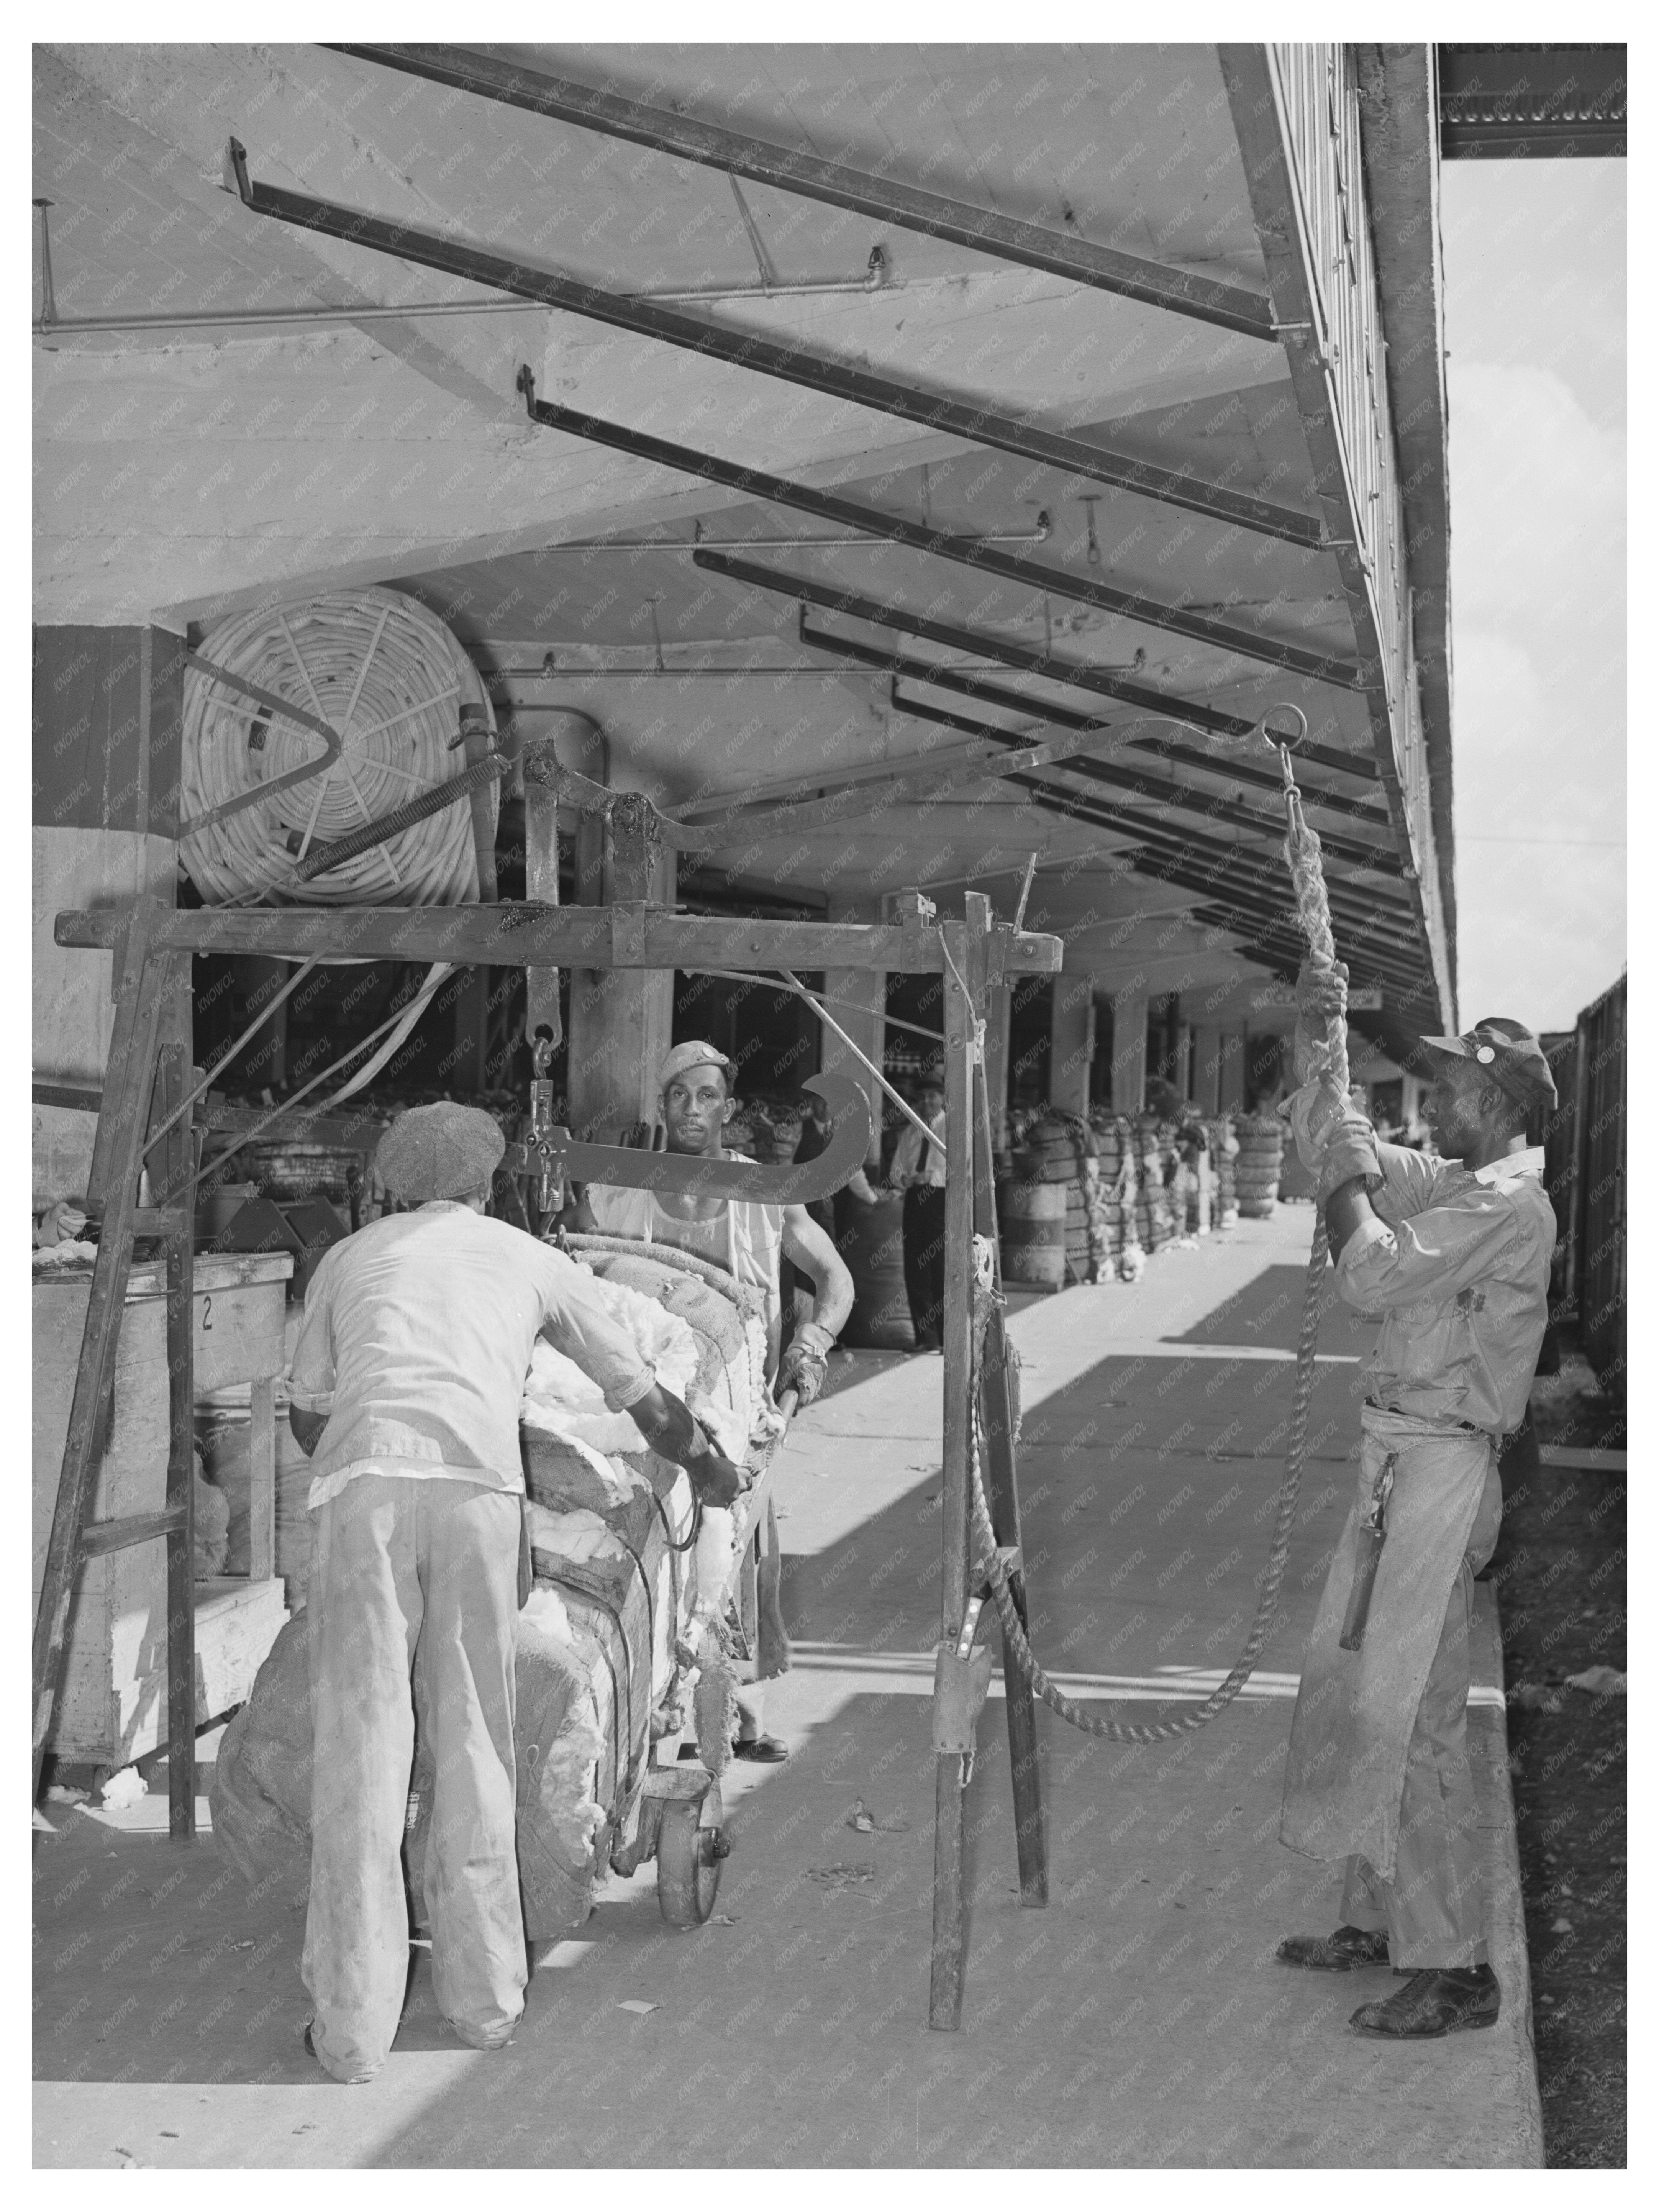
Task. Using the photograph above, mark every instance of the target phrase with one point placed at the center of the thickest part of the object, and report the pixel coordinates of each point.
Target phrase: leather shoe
(350, 2080)
(1436, 2000)
(1339, 1954)
(764, 1750)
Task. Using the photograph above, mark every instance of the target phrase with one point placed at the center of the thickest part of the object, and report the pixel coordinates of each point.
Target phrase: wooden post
(622, 1018)
(968, 943)
(541, 882)
(999, 1015)
(1230, 1086)
(1072, 1042)
(174, 1172)
(865, 990)
(1206, 1067)
(1002, 1495)
(122, 1124)
(1128, 1051)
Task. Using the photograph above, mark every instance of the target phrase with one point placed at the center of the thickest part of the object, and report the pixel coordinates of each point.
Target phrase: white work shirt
(416, 1343)
(908, 1154)
(1458, 1262)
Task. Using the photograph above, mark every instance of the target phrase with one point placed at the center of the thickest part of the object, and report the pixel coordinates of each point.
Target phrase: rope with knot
(1303, 857)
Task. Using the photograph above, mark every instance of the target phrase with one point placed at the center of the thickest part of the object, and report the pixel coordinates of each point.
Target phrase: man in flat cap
(750, 1240)
(407, 1377)
(1454, 1253)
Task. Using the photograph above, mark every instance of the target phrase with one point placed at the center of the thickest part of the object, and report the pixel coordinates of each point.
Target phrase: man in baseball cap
(407, 1377)
(1510, 1056)
(1455, 1254)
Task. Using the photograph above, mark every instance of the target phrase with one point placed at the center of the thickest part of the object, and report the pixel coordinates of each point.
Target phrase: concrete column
(1230, 1085)
(999, 1015)
(1071, 1042)
(1128, 1051)
(862, 1014)
(622, 1019)
(1206, 1067)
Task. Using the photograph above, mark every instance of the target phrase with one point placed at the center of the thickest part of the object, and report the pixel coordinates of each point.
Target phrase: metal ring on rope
(1274, 742)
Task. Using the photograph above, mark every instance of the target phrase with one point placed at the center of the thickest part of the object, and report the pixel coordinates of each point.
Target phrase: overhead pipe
(983, 553)
(686, 138)
(50, 324)
(792, 364)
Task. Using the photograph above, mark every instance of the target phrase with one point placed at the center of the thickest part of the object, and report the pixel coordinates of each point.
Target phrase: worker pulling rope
(1302, 853)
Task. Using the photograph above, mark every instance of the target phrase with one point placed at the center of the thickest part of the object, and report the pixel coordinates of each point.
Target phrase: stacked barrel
(1052, 1221)
(1224, 1171)
(1260, 1162)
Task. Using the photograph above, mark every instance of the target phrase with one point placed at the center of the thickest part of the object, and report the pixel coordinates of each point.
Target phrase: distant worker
(750, 1241)
(407, 1375)
(918, 1170)
(1455, 1254)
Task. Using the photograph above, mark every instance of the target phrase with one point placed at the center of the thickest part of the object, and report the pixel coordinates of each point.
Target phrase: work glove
(1314, 1111)
(1322, 994)
(806, 1364)
(1350, 1151)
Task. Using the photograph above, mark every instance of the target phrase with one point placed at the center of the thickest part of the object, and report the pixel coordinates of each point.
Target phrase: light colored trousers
(1434, 1909)
(414, 1585)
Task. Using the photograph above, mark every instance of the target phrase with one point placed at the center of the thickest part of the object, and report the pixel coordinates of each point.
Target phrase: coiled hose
(391, 680)
(1302, 853)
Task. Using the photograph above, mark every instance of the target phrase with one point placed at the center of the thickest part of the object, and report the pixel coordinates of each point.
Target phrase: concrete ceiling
(183, 475)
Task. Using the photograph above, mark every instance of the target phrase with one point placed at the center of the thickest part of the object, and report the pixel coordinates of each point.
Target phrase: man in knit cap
(407, 1377)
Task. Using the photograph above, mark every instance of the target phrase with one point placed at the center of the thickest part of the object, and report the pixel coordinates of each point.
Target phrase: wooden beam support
(524, 935)
(968, 946)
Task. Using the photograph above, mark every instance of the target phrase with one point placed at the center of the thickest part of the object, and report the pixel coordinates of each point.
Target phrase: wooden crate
(113, 1704)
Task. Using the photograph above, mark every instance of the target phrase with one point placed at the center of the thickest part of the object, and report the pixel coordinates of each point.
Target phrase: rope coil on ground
(1302, 856)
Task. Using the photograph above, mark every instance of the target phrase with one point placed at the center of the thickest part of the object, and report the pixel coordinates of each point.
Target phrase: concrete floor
(1139, 2021)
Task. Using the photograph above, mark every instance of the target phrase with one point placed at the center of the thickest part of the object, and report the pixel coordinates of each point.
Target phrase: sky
(1535, 333)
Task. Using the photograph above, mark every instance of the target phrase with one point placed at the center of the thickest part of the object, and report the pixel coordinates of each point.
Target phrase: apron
(1345, 1769)
(745, 1239)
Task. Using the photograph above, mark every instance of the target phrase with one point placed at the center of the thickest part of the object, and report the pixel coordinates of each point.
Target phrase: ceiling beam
(978, 553)
(974, 683)
(893, 614)
(885, 199)
(936, 412)
(1213, 807)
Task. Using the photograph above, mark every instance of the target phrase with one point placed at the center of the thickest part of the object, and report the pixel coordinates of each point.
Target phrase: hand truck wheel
(690, 1844)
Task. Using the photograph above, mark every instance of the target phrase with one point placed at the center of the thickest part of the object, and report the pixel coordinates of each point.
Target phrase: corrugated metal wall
(1585, 1175)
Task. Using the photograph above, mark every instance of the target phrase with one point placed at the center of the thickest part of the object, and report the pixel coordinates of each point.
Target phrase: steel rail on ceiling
(1349, 898)
(887, 199)
(1213, 806)
(981, 553)
(792, 364)
(1251, 903)
(892, 614)
(1285, 948)
(972, 685)
(1255, 874)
